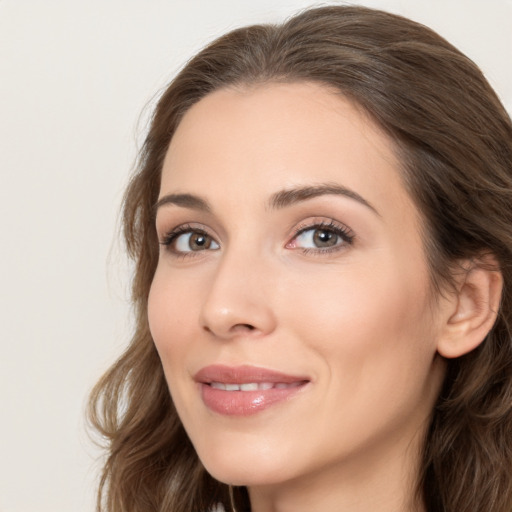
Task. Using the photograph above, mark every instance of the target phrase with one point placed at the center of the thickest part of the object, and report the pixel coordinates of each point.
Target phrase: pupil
(199, 241)
(324, 238)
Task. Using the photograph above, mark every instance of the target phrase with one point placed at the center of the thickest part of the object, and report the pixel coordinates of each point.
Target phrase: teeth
(251, 386)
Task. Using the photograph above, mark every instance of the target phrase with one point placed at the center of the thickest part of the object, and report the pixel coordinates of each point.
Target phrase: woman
(322, 237)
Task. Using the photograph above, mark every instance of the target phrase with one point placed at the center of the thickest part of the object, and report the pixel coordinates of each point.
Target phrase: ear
(473, 308)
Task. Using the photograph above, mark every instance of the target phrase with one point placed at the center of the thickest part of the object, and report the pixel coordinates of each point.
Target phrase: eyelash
(173, 235)
(343, 232)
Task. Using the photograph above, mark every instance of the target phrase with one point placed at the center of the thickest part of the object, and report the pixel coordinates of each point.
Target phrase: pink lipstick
(245, 390)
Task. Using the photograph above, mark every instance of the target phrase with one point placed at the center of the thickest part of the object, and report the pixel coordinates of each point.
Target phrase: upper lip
(244, 374)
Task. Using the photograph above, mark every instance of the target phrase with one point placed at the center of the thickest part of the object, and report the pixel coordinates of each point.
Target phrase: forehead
(256, 140)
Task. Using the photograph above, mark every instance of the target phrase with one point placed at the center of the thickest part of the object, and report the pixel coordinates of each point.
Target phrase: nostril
(247, 327)
(235, 328)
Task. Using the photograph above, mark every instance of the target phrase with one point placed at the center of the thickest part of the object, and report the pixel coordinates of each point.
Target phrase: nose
(238, 301)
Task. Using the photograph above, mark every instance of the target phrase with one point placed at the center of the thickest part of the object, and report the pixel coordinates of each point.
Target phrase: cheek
(173, 326)
(158, 308)
(373, 341)
(374, 319)
(169, 314)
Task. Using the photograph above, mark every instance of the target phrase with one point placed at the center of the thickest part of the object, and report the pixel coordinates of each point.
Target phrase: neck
(379, 481)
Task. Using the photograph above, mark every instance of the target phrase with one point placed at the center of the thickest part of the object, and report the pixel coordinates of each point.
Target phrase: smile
(253, 386)
(245, 390)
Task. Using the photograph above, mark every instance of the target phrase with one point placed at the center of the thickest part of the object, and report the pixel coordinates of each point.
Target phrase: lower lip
(245, 403)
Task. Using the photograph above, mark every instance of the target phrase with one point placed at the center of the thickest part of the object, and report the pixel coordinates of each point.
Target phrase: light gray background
(74, 79)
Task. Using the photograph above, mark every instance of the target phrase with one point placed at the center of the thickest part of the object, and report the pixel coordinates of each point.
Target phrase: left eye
(194, 241)
(320, 238)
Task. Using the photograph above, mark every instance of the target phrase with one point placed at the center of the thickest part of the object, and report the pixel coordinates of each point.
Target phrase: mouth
(253, 386)
(245, 390)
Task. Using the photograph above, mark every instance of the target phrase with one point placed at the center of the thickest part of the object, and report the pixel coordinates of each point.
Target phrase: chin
(245, 469)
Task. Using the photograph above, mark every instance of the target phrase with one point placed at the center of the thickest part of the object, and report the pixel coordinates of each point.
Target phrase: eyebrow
(279, 200)
(285, 198)
(185, 201)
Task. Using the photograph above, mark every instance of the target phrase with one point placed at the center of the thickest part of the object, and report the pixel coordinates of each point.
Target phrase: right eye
(188, 240)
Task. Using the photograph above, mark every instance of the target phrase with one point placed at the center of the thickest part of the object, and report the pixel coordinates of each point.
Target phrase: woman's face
(291, 305)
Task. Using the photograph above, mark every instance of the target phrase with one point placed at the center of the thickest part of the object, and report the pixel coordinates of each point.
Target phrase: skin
(359, 320)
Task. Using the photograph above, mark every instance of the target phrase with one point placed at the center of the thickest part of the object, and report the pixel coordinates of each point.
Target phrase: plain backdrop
(75, 80)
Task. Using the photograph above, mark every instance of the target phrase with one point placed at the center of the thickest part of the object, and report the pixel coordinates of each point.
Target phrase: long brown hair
(454, 140)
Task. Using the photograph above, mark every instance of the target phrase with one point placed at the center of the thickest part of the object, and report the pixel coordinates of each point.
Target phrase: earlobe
(474, 308)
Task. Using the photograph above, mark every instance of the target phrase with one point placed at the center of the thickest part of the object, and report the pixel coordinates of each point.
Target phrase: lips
(245, 390)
